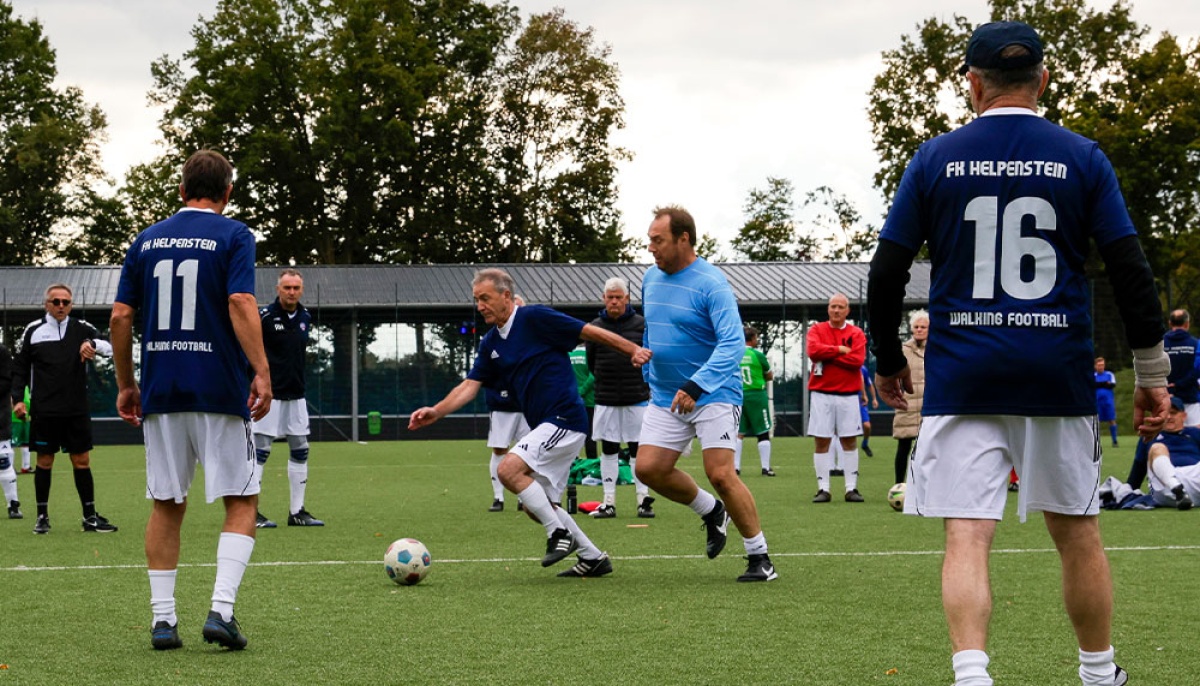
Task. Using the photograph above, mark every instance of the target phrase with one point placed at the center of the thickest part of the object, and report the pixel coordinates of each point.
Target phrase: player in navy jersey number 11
(191, 277)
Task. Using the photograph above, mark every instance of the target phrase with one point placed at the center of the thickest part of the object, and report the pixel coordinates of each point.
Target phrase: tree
(832, 228)
(403, 130)
(847, 239)
(1140, 101)
(559, 104)
(770, 233)
(326, 110)
(48, 146)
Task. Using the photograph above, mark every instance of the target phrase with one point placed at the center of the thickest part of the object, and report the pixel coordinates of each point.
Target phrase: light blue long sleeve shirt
(695, 332)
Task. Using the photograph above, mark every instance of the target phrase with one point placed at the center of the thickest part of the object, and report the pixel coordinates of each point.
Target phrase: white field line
(503, 560)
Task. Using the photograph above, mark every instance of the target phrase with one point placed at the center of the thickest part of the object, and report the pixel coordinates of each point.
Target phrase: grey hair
(616, 283)
(499, 279)
(916, 316)
(58, 287)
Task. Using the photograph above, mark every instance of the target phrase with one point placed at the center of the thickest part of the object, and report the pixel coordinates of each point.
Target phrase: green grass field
(857, 601)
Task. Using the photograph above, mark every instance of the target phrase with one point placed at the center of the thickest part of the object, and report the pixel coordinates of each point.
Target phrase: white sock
(537, 502)
(298, 480)
(497, 487)
(737, 454)
(25, 457)
(587, 549)
(822, 463)
(8, 479)
(1165, 471)
(162, 596)
(764, 454)
(1097, 669)
(970, 668)
(756, 545)
(835, 449)
(850, 466)
(610, 471)
(642, 489)
(233, 556)
(704, 502)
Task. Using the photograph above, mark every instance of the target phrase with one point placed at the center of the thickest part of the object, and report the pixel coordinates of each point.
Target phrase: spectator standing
(621, 395)
(1106, 404)
(756, 403)
(52, 363)
(907, 421)
(837, 350)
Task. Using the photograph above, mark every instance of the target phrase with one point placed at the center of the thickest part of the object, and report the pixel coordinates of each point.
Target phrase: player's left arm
(637, 354)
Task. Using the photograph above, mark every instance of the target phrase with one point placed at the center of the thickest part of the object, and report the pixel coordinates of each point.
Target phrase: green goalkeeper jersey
(754, 370)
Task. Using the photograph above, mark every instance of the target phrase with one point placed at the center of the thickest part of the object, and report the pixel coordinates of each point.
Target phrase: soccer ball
(407, 561)
(896, 497)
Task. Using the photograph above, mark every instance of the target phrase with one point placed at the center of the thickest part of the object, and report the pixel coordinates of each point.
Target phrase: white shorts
(618, 424)
(1193, 414)
(549, 451)
(961, 465)
(1189, 476)
(286, 418)
(177, 442)
(832, 415)
(716, 426)
(504, 428)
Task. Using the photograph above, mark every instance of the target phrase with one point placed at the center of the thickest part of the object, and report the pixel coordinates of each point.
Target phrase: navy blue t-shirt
(179, 275)
(1008, 205)
(532, 363)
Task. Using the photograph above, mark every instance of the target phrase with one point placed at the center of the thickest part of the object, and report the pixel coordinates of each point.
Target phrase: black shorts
(49, 435)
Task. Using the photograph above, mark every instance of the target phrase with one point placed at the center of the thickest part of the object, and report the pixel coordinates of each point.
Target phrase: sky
(719, 95)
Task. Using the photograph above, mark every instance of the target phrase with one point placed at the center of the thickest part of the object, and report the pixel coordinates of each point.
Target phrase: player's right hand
(893, 388)
(422, 418)
(129, 405)
(1150, 408)
(259, 402)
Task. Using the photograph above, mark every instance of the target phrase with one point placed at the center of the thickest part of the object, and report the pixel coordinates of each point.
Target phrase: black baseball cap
(989, 40)
(1177, 404)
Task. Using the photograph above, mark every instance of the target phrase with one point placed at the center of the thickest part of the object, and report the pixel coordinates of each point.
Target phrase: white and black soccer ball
(896, 497)
(407, 561)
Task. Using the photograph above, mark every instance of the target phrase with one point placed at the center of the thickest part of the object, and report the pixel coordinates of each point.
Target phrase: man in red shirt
(837, 351)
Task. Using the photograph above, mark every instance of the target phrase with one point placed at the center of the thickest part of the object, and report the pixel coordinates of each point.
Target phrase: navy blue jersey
(1181, 348)
(1008, 205)
(179, 274)
(285, 338)
(532, 363)
(500, 400)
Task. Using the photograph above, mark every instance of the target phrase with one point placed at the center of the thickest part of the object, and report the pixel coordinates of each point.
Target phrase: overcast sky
(719, 95)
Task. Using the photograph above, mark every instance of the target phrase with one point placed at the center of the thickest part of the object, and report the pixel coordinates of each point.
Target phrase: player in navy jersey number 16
(1009, 206)
(527, 353)
(191, 277)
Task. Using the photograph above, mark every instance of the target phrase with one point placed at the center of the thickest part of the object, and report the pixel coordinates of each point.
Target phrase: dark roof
(434, 292)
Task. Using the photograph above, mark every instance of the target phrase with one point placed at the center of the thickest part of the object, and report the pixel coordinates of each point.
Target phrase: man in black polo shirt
(285, 326)
(52, 361)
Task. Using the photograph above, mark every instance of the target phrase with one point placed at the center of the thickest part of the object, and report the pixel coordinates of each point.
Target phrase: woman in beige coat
(908, 422)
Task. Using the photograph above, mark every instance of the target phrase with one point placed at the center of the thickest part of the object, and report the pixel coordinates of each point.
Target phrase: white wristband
(1151, 367)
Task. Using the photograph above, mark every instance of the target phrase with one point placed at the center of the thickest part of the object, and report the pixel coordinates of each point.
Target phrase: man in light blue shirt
(695, 331)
